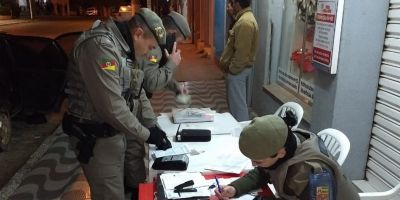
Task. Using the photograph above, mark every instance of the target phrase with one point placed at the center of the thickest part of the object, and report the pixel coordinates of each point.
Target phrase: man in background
(231, 13)
(238, 58)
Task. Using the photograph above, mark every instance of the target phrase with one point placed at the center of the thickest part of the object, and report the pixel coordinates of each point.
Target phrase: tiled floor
(57, 175)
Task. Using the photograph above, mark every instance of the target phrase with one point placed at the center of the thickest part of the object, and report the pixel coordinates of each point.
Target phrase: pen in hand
(219, 187)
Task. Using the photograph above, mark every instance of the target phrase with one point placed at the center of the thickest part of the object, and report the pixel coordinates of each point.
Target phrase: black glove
(159, 138)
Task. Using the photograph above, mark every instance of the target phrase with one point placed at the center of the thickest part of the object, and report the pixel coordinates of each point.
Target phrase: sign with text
(328, 23)
(288, 80)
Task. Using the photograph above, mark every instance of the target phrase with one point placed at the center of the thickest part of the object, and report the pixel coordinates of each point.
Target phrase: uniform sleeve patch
(109, 64)
(153, 59)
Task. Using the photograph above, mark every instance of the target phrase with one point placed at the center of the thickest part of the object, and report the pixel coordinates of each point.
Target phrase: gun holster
(86, 140)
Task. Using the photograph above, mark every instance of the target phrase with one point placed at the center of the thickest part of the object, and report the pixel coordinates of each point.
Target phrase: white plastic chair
(294, 107)
(336, 142)
(391, 194)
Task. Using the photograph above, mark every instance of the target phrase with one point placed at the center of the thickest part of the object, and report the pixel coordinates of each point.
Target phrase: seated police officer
(296, 164)
(102, 80)
(163, 60)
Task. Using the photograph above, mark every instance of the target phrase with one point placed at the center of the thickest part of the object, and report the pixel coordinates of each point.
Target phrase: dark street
(50, 28)
(32, 142)
(28, 135)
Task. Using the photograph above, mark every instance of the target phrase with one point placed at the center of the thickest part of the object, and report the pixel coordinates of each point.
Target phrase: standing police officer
(238, 58)
(155, 77)
(162, 61)
(102, 82)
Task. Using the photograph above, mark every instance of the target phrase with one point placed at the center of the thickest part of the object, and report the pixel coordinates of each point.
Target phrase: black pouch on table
(174, 163)
(193, 135)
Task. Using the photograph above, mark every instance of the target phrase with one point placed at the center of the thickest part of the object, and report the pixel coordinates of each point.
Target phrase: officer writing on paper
(102, 80)
(294, 162)
(163, 60)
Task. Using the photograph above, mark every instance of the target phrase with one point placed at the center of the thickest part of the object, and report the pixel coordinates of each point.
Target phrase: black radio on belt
(193, 135)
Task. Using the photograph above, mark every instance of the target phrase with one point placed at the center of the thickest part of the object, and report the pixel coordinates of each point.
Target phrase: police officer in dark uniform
(103, 79)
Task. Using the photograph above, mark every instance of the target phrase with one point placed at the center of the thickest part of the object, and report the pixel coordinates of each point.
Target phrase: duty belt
(96, 129)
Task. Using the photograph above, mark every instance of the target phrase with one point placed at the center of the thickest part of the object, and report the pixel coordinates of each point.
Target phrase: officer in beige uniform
(155, 78)
(102, 82)
(162, 61)
(238, 58)
(287, 160)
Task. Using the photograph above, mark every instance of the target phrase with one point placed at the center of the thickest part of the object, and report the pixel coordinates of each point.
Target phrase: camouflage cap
(263, 137)
(181, 23)
(154, 23)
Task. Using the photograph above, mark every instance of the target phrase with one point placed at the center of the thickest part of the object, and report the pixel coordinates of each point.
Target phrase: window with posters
(295, 70)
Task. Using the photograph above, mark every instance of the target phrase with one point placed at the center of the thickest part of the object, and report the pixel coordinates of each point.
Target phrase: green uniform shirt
(241, 47)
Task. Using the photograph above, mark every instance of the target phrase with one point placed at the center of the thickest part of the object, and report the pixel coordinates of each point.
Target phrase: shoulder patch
(153, 59)
(108, 64)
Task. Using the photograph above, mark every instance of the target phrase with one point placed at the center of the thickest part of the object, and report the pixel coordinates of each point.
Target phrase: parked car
(32, 76)
(91, 11)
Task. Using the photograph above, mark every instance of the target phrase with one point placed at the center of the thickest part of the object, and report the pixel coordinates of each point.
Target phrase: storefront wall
(262, 103)
(219, 26)
(344, 101)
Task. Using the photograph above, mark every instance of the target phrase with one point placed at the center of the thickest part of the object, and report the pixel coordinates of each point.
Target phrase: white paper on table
(201, 192)
(170, 180)
(245, 197)
(189, 115)
(229, 163)
(226, 181)
(222, 181)
(177, 149)
(223, 123)
(214, 152)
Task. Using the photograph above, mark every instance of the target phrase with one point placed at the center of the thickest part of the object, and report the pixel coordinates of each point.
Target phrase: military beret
(263, 137)
(181, 23)
(154, 23)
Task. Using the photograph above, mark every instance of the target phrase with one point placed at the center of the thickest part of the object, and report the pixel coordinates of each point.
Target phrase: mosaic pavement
(57, 175)
(205, 94)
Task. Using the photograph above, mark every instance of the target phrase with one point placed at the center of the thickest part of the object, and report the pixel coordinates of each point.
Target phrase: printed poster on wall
(328, 22)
